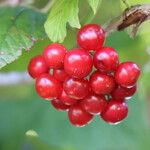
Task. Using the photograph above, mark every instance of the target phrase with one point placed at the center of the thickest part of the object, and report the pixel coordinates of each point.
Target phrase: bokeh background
(29, 123)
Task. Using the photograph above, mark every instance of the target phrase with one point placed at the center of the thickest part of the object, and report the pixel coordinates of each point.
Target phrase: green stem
(48, 6)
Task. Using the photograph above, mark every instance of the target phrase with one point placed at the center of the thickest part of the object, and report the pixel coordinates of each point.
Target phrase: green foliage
(63, 12)
(20, 28)
(22, 110)
(94, 4)
(55, 132)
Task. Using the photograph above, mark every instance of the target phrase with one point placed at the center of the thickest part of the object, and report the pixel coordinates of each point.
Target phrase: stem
(126, 3)
(48, 6)
(133, 16)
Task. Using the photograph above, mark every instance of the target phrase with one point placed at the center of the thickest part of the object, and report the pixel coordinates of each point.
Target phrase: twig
(126, 3)
(133, 16)
(48, 6)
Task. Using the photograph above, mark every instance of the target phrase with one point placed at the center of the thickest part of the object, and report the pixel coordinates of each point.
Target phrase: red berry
(115, 111)
(127, 74)
(66, 99)
(37, 66)
(94, 104)
(48, 87)
(59, 105)
(106, 59)
(76, 88)
(78, 116)
(101, 83)
(54, 55)
(60, 74)
(78, 63)
(91, 37)
(123, 93)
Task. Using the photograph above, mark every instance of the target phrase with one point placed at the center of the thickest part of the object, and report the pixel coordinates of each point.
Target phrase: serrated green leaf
(63, 12)
(20, 28)
(94, 4)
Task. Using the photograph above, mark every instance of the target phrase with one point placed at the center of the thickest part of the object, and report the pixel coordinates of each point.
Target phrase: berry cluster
(67, 79)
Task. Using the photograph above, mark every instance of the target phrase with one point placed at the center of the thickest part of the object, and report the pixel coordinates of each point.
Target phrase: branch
(133, 16)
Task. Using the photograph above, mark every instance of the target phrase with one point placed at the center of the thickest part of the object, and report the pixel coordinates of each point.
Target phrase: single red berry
(101, 83)
(37, 66)
(76, 88)
(66, 99)
(106, 59)
(54, 55)
(91, 37)
(94, 104)
(78, 116)
(127, 74)
(48, 87)
(60, 74)
(123, 92)
(78, 63)
(115, 111)
(59, 105)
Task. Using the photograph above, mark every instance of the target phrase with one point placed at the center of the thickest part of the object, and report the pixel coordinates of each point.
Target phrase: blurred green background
(29, 123)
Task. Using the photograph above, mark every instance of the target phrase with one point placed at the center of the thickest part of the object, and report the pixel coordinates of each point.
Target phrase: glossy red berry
(101, 83)
(78, 63)
(54, 55)
(78, 116)
(115, 112)
(106, 59)
(94, 104)
(59, 105)
(48, 87)
(91, 37)
(127, 74)
(60, 74)
(37, 66)
(76, 88)
(66, 99)
(123, 92)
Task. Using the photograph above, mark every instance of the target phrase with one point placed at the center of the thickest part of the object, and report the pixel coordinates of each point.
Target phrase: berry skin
(106, 59)
(54, 55)
(76, 88)
(115, 112)
(66, 99)
(60, 74)
(94, 104)
(37, 66)
(78, 116)
(123, 93)
(59, 105)
(91, 37)
(127, 74)
(78, 63)
(101, 83)
(48, 87)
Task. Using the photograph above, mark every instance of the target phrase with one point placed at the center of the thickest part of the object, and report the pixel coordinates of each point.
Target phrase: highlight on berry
(87, 80)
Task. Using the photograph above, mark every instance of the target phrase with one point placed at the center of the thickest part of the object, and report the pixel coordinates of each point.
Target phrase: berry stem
(47, 7)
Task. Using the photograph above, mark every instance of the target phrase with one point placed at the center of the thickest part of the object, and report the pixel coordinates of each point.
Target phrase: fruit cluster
(67, 79)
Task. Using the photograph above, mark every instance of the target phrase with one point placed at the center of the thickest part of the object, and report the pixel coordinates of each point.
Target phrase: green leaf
(20, 28)
(63, 12)
(94, 4)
